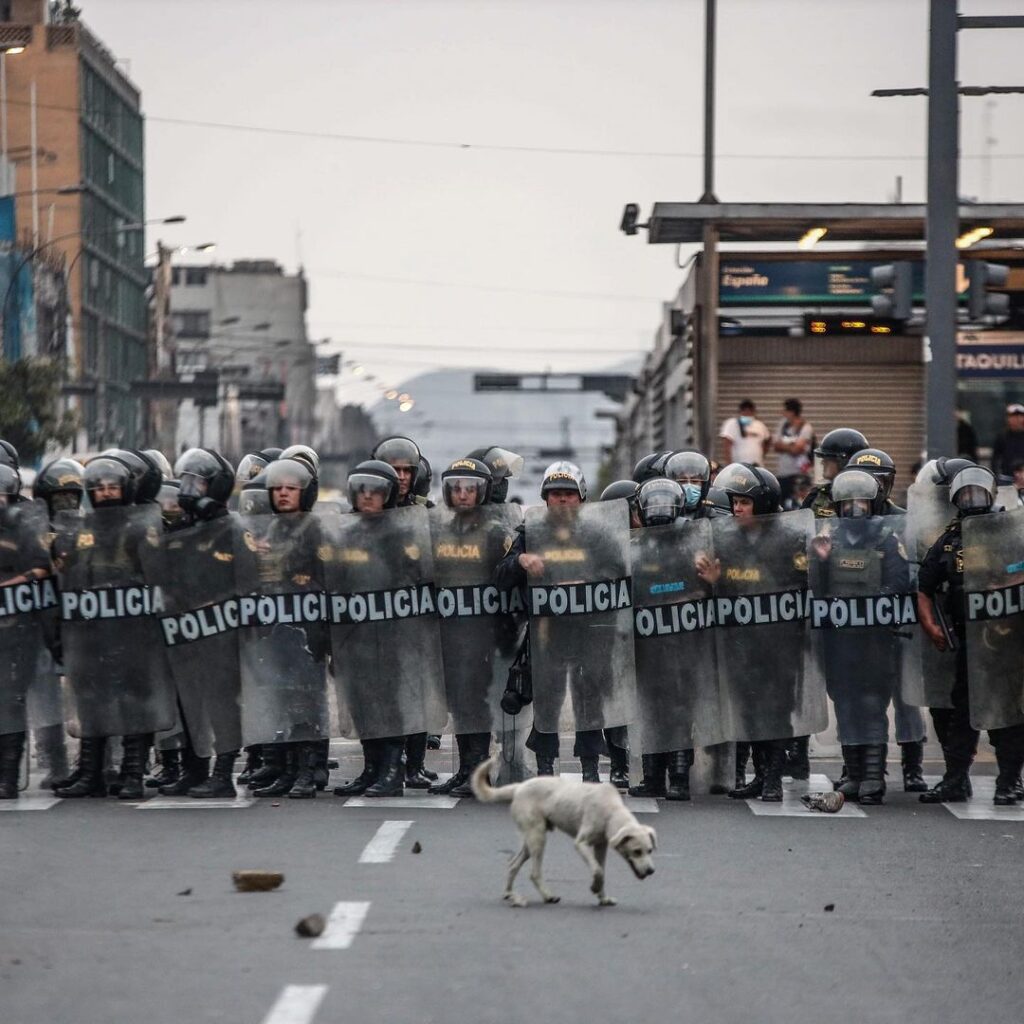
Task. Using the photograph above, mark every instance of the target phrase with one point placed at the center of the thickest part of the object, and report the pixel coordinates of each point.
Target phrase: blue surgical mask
(691, 495)
(745, 421)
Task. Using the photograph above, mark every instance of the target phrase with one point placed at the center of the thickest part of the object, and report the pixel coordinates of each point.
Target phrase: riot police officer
(830, 457)
(692, 471)
(627, 491)
(504, 466)
(650, 466)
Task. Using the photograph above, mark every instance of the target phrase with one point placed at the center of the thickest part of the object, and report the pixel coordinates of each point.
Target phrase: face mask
(745, 421)
(691, 495)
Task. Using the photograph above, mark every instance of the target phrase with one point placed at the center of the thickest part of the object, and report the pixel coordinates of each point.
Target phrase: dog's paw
(608, 901)
(513, 899)
(597, 883)
(552, 899)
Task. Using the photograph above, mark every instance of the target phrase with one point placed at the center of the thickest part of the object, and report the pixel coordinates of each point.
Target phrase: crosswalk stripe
(791, 806)
(381, 848)
(297, 1004)
(30, 803)
(342, 926)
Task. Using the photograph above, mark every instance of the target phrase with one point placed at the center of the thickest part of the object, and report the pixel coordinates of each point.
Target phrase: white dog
(593, 814)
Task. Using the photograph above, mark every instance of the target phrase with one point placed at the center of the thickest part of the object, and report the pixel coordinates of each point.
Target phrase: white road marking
(382, 847)
(791, 807)
(342, 926)
(404, 803)
(297, 1004)
(177, 803)
(641, 804)
(29, 803)
(980, 806)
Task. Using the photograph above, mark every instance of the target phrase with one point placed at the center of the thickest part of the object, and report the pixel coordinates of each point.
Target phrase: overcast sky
(484, 247)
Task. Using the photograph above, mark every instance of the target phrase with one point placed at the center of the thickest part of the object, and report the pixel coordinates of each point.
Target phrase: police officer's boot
(273, 758)
(853, 762)
(219, 784)
(286, 779)
(798, 763)
(304, 787)
(618, 775)
(545, 765)
(416, 774)
(133, 766)
(590, 772)
(872, 785)
(391, 772)
(53, 755)
(953, 788)
(88, 775)
(195, 770)
(12, 746)
(679, 764)
(321, 771)
(253, 763)
(755, 786)
(463, 742)
(365, 779)
(170, 770)
(742, 755)
(774, 765)
(479, 747)
(912, 761)
(653, 781)
(1006, 780)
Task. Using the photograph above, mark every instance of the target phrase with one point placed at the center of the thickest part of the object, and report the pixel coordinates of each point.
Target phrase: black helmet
(946, 468)
(106, 469)
(171, 511)
(424, 478)
(627, 489)
(10, 483)
(739, 480)
(466, 473)
(374, 475)
(160, 460)
(718, 503)
(650, 466)
(292, 473)
(146, 475)
(63, 477)
(252, 465)
(503, 464)
(303, 453)
(840, 444)
(660, 502)
(254, 498)
(972, 489)
(9, 455)
(879, 464)
(399, 451)
(856, 493)
(206, 480)
(564, 475)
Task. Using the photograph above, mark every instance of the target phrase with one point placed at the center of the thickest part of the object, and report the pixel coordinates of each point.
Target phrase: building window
(195, 275)
(191, 323)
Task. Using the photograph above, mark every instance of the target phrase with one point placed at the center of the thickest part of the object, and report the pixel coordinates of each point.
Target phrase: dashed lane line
(297, 1004)
(342, 926)
(382, 847)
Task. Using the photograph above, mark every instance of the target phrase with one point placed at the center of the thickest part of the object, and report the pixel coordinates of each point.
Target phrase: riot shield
(994, 595)
(117, 673)
(195, 570)
(770, 686)
(861, 613)
(477, 621)
(676, 672)
(385, 642)
(581, 616)
(282, 636)
(24, 554)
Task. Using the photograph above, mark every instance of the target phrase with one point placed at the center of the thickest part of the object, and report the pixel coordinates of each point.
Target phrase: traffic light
(898, 302)
(980, 277)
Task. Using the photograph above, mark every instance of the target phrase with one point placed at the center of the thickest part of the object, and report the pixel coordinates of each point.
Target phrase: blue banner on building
(990, 354)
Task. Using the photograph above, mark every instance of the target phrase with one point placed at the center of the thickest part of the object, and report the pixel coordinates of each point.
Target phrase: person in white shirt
(793, 440)
(744, 437)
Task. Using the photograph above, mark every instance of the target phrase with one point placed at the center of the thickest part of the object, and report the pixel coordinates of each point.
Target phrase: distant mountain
(450, 419)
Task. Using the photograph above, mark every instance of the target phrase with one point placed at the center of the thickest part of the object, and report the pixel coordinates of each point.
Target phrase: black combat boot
(133, 766)
(953, 788)
(366, 778)
(618, 775)
(719, 754)
(753, 788)
(273, 755)
(88, 775)
(589, 766)
(653, 782)
(853, 763)
(463, 742)
(479, 748)
(390, 775)
(912, 760)
(545, 765)
(742, 755)
(774, 765)
(798, 762)
(286, 778)
(872, 785)
(304, 786)
(195, 771)
(321, 758)
(253, 763)
(416, 774)
(1006, 780)
(170, 770)
(52, 755)
(679, 764)
(12, 746)
(219, 784)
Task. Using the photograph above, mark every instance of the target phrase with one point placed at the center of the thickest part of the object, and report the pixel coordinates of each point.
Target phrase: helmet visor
(503, 463)
(463, 491)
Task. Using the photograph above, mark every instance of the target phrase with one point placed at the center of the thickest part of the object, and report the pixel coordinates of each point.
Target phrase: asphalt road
(112, 914)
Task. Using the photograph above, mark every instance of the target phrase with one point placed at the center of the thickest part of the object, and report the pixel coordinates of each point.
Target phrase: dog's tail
(484, 791)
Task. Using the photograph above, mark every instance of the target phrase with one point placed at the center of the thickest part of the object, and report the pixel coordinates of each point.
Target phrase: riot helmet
(171, 511)
(303, 453)
(660, 502)
(251, 466)
(466, 483)
(879, 464)
(739, 480)
(832, 455)
(624, 489)
(650, 466)
(206, 480)
(102, 475)
(503, 464)
(10, 485)
(564, 476)
(160, 460)
(401, 453)
(61, 485)
(287, 476)
(973, 490)
(146, 476)
(424, 478)
(692, 471)
(254, 498)
(376, 483)
(718, 503)
(857, 494)
(9, 455)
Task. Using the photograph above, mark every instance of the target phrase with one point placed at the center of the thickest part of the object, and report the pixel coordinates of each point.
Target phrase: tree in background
(30, 413)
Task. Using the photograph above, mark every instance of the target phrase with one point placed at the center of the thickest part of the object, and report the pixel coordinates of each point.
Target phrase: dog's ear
(622, 834)
(653, 835)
